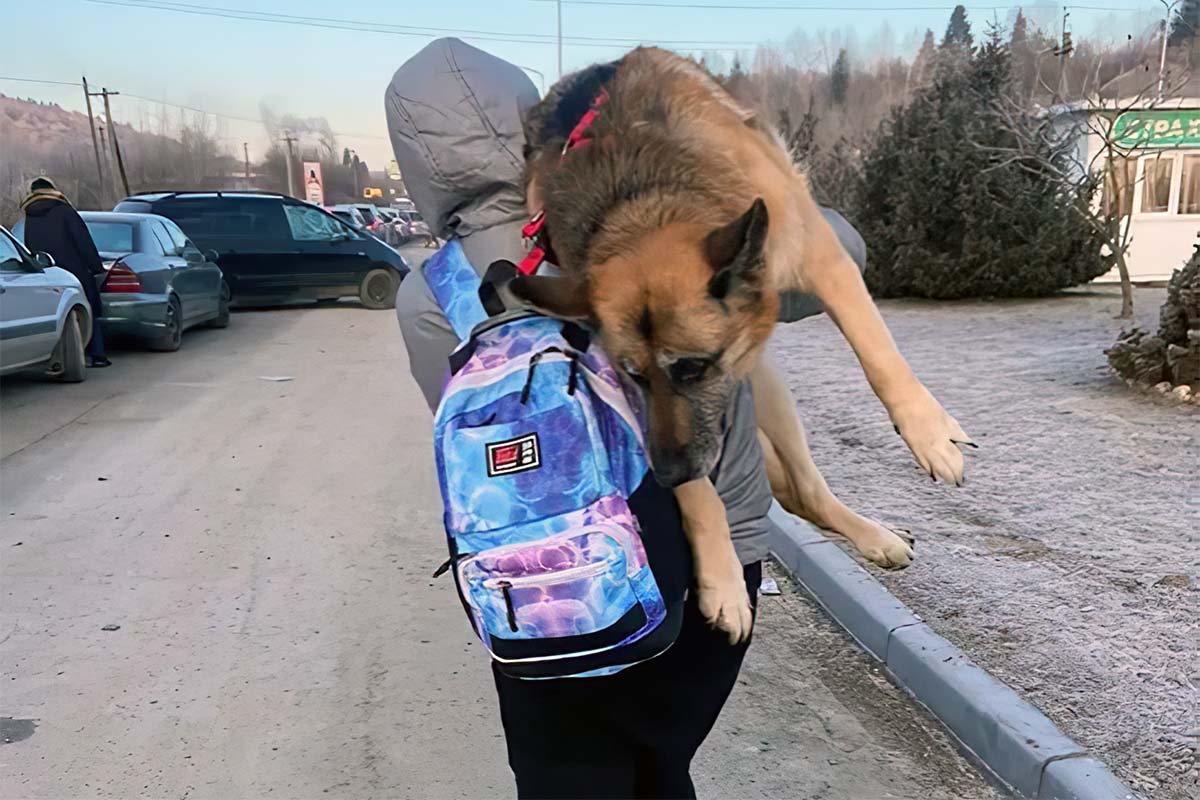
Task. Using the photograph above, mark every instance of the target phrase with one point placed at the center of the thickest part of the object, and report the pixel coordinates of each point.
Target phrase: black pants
(629, 735)
(95, 348)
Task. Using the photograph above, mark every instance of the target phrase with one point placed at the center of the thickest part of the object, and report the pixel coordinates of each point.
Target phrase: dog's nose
(675, 468)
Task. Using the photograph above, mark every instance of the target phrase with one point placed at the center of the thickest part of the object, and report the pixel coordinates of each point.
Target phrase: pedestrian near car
(52, 225)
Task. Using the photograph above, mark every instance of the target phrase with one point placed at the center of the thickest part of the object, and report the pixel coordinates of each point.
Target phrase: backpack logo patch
(514, 455)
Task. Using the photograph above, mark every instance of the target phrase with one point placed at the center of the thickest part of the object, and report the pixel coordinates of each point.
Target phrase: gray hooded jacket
(454, 115)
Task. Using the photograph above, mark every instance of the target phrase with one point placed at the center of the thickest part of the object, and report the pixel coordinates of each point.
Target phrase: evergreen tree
(946, 215)
(958, 32)
(839, 79)
(922, 66)
(1020, 32)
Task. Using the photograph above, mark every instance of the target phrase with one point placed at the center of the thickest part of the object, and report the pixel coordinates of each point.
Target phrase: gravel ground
(1068, 564)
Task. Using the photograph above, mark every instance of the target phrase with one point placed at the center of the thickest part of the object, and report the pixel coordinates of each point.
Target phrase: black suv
(274, 248)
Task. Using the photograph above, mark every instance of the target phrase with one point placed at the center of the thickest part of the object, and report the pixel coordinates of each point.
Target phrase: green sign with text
(1157, 129)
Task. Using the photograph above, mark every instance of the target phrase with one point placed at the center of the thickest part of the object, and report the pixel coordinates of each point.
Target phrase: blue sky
(236, 66)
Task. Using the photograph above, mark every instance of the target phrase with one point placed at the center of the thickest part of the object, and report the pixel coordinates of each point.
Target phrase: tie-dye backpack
(569, 558)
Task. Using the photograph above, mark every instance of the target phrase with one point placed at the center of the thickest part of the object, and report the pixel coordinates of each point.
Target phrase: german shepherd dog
(676, 228)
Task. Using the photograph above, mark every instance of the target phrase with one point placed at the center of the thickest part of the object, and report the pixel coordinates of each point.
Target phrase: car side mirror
(212, 255)
(43, 260)
(193, 256)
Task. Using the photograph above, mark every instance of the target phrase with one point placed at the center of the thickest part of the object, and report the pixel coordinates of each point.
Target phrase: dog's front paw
(884, 547)
(723, 601)
(932, 435)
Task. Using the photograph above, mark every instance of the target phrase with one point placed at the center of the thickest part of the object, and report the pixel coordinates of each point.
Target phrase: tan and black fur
(676, 228)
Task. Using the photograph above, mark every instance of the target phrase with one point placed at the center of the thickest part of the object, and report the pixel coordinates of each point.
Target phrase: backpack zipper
(562, 576)
(504, 587)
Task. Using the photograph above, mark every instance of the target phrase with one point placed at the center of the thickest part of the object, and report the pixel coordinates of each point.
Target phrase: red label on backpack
(513, 455)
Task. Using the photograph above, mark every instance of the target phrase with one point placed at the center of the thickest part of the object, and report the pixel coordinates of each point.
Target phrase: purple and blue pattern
(552, 549)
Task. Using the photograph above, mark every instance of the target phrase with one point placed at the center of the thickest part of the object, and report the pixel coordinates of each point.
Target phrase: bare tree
(1043, 143)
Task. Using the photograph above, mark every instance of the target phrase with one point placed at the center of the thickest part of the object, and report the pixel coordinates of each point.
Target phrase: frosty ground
(1067, 565)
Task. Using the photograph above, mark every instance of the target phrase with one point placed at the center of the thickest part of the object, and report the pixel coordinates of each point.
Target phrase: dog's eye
(632, 372)
(689, 370)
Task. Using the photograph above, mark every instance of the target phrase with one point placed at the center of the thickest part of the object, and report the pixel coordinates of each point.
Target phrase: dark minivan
(274, 248)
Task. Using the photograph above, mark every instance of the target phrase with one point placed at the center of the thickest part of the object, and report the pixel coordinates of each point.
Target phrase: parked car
(157, 283)
(396, 229)
(44, 314)
(418, 228)
(371, 214)
(273, 248)
(349, 215)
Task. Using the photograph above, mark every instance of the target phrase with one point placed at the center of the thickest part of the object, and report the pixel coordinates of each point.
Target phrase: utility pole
(87, 96)
(1162, 57)
(558, 3)
(112, 134)
(246, 153)
(104, 185)
(1065, 48)
(291, 170)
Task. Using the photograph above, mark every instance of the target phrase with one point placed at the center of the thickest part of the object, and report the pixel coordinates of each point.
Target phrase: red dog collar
(533, 231)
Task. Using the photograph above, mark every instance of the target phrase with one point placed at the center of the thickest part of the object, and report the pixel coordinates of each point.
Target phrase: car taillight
(121, 279)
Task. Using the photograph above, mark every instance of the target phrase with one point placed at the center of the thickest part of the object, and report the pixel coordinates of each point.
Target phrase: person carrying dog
(454, 115)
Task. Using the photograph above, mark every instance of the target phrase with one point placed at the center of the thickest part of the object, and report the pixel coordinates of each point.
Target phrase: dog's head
(684, 312)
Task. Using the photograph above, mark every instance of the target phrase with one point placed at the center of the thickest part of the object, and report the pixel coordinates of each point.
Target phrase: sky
(206, 54)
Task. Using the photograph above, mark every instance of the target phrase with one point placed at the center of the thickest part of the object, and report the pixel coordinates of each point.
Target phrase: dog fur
(676, 228)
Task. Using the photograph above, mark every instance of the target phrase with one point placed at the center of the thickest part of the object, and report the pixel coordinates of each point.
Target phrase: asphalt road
(265, 548)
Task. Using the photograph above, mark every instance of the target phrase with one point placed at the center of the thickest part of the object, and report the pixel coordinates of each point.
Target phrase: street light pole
(539, 73)
(558, 3)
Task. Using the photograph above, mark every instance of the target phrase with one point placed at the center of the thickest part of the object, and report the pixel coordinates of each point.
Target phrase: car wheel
(69, 353)
(173, 332)
(221, 320)
(378, 289)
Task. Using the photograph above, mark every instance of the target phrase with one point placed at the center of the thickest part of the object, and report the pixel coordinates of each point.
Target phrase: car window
(177, 238)
(368, 213)
(218, 221)
(11, 259)
(164, 238)
(111, 237)
(312, 225)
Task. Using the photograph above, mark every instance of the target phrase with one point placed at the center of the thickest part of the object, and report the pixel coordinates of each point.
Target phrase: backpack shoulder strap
(455, 287)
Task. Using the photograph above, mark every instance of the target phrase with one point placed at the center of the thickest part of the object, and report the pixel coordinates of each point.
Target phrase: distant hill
(38, 138)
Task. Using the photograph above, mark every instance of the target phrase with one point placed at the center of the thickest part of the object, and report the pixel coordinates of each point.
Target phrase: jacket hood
(40, 201)
(454, 116)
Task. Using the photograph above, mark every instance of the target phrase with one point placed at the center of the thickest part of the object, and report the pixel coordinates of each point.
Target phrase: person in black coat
(52, 225)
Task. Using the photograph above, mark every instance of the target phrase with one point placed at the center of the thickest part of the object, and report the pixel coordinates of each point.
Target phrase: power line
(360, 26)
(194, 109)
(38, 80)
(876, 9)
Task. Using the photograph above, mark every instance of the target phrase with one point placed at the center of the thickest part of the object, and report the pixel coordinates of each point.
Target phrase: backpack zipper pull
(533, 362)
(573, 380)
(506, 590)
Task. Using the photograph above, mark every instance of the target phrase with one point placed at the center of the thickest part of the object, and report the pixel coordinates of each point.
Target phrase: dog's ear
(565, 298)
(735, 252)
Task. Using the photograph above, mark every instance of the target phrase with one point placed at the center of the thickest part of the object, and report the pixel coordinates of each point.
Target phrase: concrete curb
(1009, 736)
